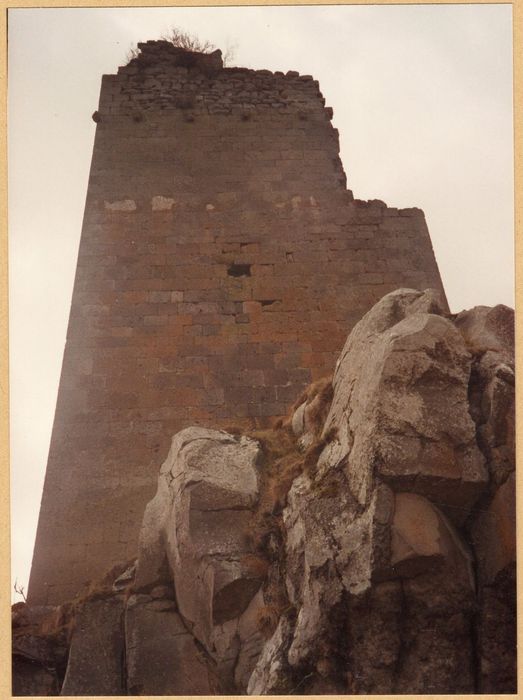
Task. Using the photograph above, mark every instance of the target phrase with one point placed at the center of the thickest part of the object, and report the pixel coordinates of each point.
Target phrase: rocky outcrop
(162, 655)
(196, 530)
(489, 335)
(364, 546)
(39, 650)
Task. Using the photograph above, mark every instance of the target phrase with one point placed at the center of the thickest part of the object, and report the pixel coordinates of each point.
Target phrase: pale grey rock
(251, 642)
(489, 335)
(332, 547)
(198, 524)
(400, 406)
(272, 672)
(493, 409)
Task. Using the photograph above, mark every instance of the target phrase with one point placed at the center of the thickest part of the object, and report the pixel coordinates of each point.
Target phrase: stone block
(162, 656)
(494, 533)
(96, 657)
(405, 371)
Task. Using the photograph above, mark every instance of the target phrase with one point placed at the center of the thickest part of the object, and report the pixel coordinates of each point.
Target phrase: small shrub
(188, 42)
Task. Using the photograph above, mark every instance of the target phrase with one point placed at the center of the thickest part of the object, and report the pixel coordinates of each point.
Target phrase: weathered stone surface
(497, 635)
(413, 635)
(494, 533)
(199, 521)
(30, 678)
(436, 634)
(95, 664)
(389, 567)
(38, 658)
(422, 536)
(492, 397)
(162, 657)
(394, 566)
(35, 647)
(487, 328)
(251, 642)
(400, 407)
(272, 673)
(374, 624)
(333, 547)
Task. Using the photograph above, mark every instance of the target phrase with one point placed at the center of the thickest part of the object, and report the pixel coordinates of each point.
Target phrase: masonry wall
(222, 264)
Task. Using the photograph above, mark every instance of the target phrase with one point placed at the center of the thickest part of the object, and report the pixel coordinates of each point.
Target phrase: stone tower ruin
(221, 266)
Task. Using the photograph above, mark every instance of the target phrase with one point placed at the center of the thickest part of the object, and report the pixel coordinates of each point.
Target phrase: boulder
(97, 649)
(494, 533)
(423, 538)
(378, 589)
(492, 397)
(487, 328)
(272, 674)
(437, 653)
(162, 657)
(412, 634)
(198, 525)
(24, 615)
(333, 548)
(400, 406)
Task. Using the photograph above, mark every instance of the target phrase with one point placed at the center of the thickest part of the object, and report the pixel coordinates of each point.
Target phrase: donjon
(222, 263)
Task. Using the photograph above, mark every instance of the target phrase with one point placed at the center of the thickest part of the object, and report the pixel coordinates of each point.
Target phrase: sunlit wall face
(422, 97)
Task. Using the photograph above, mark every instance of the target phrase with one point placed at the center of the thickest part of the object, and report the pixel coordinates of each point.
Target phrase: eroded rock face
(197, 529)
(390, 566)
(379, 567)
(97, 649)
(400, 407)
(162, 656)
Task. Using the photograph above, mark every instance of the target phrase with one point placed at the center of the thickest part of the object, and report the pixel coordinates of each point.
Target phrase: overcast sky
(422, 97)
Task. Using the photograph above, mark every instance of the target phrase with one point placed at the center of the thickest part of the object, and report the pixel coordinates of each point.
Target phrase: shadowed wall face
(221, 265)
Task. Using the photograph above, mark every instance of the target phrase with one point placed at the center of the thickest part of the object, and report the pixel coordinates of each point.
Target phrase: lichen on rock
(366, 545)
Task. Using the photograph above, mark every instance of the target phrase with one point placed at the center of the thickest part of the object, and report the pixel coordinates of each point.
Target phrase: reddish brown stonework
(222, 264)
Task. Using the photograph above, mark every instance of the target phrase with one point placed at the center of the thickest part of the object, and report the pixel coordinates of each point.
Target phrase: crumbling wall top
(164, 52)
(168, 78)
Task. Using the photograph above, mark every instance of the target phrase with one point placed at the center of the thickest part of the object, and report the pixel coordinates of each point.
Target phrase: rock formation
(365, 545)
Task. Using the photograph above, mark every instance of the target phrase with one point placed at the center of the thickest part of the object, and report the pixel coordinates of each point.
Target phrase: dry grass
(310, 392)
(283, 461)
(60, 625)
(254, 566)
(320, 404)
(267, 619)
